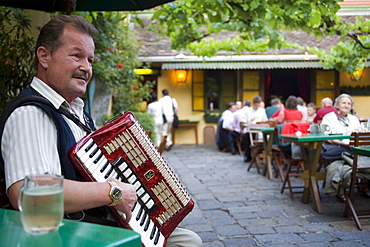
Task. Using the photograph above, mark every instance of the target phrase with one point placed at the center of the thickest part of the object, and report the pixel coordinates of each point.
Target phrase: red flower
(119, 66)
(109, 49)
(135, 88)
(115, 50)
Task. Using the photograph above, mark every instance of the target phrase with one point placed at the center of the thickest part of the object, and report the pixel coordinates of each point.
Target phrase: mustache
(81, 74)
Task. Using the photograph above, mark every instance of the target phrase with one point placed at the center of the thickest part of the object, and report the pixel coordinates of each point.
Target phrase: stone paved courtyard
(234, 207)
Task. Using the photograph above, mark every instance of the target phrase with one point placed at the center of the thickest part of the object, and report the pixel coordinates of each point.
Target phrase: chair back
(270, 123)
(255, 135)
(359, 139)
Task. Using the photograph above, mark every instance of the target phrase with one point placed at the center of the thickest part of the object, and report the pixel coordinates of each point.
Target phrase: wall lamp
(357, 75)
(181, 76)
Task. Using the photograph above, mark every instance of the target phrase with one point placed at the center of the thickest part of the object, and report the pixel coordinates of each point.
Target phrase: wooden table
(187, 123)
(71, 233)
(311, 145)
(268, 139)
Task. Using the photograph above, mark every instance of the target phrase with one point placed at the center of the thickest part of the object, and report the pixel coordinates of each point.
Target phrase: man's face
(233, 108)
(69, 68)
(310, 111)
(256, 106)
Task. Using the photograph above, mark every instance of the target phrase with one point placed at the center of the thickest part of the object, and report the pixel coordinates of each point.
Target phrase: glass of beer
(41, 202)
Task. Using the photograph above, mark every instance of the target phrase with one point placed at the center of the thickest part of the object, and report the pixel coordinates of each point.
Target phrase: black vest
(65, 136)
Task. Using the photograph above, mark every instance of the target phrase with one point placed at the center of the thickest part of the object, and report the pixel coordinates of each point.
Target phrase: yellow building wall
(182, 92)
(361, 102)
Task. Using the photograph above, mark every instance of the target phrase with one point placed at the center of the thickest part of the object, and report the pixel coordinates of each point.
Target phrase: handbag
(164, 118)
(175, 122)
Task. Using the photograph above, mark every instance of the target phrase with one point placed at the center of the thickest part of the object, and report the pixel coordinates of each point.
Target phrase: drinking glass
(41, 202)
(364, 126)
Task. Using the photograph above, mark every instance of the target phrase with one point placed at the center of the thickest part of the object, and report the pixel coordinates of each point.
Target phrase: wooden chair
(239, 144)
(256, 144)
(287, 167)
(357, 139)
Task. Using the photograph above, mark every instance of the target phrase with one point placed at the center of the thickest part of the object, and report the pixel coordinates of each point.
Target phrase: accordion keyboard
(100, 169)
(122, 149)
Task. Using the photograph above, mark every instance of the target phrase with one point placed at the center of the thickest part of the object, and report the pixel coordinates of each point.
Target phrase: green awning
(236, 65)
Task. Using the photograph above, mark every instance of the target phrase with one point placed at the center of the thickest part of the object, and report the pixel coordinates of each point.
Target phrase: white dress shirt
(29, 142)
(167, 102)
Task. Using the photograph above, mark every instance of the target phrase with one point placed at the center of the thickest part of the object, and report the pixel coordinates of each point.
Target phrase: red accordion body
(123, 150)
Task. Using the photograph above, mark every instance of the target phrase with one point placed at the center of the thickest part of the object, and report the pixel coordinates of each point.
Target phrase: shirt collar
(56, 99)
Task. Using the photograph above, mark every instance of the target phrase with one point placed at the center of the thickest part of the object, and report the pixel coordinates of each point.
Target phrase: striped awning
(236, 65)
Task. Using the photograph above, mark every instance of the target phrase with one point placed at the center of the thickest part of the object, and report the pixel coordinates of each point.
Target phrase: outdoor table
(364, 151)
(187, 123)
(311, 145)
(71, 233)
(268, 138)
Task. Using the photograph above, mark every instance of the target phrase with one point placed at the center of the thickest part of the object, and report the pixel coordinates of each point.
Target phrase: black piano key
(108, 173)
(153, 232)
(104, 167)
(89, 147)
(157, 237)
(147, 224)
(94, 152)
(138, 216)
(98, 158)
(143, 219)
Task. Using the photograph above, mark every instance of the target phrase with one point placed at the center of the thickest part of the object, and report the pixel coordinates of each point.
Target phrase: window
(212, 89)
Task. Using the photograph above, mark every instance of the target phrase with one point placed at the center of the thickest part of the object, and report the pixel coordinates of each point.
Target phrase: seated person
(326, 106)
(275, 105)
(311, 112)
(340, 121)
(238, 129)
(224, 126)
(289, 113)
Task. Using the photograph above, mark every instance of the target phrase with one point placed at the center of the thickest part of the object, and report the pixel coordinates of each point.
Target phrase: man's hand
(128, 199)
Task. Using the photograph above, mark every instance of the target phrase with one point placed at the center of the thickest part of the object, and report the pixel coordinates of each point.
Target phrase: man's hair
(153, 97)
(50, 34)
(247, 102)
(327, 101)
(229, 104)
(313, 105)
(275, 101)
(291, 102)
(257, 99)
(165, 92)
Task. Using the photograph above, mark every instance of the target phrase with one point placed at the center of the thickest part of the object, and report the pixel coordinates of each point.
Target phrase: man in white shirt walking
(170, 107)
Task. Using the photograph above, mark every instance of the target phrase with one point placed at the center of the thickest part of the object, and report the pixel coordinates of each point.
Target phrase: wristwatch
(115, 193)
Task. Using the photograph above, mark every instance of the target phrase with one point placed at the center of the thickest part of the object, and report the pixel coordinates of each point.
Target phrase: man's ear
(43, 56)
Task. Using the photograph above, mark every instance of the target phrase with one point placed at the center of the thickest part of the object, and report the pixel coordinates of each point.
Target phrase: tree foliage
(116, 57)
(258, 26)
(16, 53)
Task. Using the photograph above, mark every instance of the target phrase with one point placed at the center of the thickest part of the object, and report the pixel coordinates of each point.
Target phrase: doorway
(284, 83)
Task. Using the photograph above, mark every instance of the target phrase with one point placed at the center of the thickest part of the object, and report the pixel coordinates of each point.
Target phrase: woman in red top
(290, 112)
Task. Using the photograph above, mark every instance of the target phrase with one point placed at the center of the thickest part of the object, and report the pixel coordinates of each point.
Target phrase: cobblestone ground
(234, 207)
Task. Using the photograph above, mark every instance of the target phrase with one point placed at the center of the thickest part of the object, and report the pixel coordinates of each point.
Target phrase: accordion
(122, 149)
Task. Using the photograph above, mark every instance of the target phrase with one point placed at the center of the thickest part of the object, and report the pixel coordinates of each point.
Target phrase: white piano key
(160, 240)
(146, 238)
(86, 156)
(133, 222)
(132, 179)
(83, 151)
